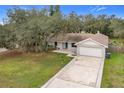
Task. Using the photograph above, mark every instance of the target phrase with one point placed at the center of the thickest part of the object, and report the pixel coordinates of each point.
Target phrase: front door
(66, 45)
(55, 44)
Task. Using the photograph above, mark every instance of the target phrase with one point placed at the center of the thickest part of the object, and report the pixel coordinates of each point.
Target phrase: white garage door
(97, 52)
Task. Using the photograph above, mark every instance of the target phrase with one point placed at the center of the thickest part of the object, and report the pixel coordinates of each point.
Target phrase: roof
(71, 37)
(101, 38)
(77, 37)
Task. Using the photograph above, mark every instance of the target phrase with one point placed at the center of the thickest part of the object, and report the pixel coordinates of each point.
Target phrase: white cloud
(101, 8)
(98, 8)
(1, 23)
(24, 7)
(93, 8)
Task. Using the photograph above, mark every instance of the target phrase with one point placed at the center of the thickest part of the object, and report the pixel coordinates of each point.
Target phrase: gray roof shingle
(77, 37)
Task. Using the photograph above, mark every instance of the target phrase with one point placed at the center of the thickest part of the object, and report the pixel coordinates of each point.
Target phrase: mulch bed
(11, 53)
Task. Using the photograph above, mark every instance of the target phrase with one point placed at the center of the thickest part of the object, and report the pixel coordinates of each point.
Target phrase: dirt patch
(11, 53)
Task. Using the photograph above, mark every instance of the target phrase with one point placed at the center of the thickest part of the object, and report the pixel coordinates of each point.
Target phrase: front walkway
(81, 72)
(66, 51)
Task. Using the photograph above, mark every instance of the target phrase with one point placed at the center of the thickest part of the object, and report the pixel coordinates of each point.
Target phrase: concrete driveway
(81, 72)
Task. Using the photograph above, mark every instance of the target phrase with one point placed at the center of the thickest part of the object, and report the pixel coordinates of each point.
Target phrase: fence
(119, 49)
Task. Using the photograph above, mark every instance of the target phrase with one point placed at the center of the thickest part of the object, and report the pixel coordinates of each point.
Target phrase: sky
(118, 10)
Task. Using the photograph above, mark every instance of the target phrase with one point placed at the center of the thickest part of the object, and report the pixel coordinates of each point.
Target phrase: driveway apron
(81, 72)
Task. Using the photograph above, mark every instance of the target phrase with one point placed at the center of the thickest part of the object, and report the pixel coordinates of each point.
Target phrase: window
(55, 44)
(73, 45)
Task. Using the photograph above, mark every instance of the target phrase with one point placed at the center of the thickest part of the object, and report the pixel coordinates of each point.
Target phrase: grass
(113, 75)
(30, 70)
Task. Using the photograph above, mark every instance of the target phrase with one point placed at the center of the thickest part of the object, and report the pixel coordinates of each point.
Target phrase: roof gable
(90, 42)
(94, 42)
(101, 38)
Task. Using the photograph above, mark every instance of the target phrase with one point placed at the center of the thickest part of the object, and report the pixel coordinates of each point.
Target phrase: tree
(103, 23)
(57, 8)
(32, 29)
(92, 24)
(117, 25)
(54, 9)
(7, 37)
(89, 23)
(51, 10)
(33, 35)
(17, 15)
(74, 23)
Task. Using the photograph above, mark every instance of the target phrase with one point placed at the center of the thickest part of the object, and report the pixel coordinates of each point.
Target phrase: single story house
(81, 43)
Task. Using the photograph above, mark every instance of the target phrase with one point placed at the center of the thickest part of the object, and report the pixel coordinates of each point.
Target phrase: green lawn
(113, 75)
(30, 70)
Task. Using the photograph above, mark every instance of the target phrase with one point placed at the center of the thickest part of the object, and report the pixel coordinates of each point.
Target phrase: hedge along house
(81, 43)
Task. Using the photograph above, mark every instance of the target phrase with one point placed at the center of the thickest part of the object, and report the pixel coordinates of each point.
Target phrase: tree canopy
(32, 29)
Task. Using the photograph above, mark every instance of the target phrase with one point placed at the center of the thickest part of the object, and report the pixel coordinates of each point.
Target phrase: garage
(89, 51)
(90, 47)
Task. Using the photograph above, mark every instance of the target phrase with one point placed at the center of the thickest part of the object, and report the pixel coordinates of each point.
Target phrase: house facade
(81, 43)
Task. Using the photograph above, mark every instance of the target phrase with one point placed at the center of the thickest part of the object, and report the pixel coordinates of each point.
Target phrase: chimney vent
(98, 32)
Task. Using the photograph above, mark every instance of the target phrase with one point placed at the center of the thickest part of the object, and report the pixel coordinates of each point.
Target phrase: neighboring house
(81, 43)
(3, 50)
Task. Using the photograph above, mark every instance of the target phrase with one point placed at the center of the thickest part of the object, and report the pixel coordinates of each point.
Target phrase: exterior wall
(89, 43)
(78, 50)
(72, 49)
(69, 46)
(91, 48)
(104, 51)
(59, 45)
(51, 43)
